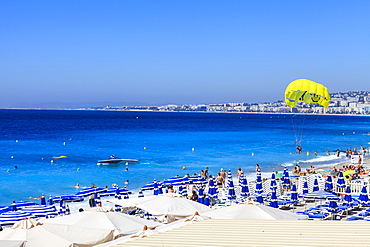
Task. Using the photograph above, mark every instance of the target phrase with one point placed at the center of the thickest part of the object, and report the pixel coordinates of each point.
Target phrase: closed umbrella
(212, 192)
(286, 179)
(259, 188)
(200, 194)
(206, 201)
(273, 200)
(364, 198)
(315, 185)
(244, 190)
(348, 196)
(231, 191)
(14, 206)
(333, 206)
(294, 193)
(97, 199)
(229, 177)
(340, 181)
(160, 190)
(273, 183)
(305, 187)
(62, 209)
(329, 184)
(50, 201)
(43, 200)
(117, 194)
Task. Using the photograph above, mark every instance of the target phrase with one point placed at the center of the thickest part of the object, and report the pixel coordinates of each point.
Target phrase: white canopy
(252, 212)
(122, 224)
(58, 236)
(165, 204)
(13, 243)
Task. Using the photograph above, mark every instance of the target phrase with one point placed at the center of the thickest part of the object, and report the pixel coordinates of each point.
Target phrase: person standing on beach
(258, 168)
(92, 201)
(220, 180)
(206, 173)
(239, 174)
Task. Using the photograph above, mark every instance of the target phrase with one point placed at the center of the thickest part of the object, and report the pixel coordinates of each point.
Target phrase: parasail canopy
(303, 90)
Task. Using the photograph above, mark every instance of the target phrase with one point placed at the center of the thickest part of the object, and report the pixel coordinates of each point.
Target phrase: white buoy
(51, 161)
(193, 149)
(12, 157)
(16, 140)
(252, 154)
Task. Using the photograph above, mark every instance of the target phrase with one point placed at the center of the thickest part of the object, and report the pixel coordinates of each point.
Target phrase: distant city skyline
(96, 53)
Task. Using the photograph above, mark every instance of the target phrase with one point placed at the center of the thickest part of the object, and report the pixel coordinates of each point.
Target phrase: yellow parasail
(306, 91)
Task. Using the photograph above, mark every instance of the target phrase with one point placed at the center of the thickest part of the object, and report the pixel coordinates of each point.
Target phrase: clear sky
(80, 53)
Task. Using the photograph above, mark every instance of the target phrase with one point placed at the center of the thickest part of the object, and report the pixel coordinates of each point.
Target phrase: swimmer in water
(78, 186)
(299, 149)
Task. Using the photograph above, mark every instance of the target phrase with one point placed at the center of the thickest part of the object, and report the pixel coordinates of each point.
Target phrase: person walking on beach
(220, 180)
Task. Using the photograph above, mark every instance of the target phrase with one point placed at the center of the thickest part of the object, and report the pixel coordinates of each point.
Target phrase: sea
(166, 144)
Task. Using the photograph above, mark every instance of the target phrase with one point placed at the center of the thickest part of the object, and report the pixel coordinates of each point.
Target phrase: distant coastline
(212, 112)
(351, 103)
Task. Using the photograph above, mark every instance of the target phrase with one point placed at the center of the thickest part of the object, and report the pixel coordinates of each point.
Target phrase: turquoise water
(164, 143)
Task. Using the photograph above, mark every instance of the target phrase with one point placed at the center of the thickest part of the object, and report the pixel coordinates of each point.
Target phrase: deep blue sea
(164, 143)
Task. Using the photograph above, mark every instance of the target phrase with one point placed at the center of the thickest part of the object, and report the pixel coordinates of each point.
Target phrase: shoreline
(327, 169)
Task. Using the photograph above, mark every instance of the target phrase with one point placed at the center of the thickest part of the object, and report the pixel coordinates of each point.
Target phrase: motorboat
(115, 160)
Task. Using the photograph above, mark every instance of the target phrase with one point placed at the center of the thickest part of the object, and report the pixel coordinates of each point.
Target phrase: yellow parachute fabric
(306, 91)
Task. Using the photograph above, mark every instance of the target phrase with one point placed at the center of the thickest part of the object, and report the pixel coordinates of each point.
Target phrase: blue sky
(80, 53)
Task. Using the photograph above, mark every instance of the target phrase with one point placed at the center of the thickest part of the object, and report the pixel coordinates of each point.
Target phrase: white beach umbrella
(58, 236)
(121, 224)
(252, 212)
(13, 243)
(165, 204)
